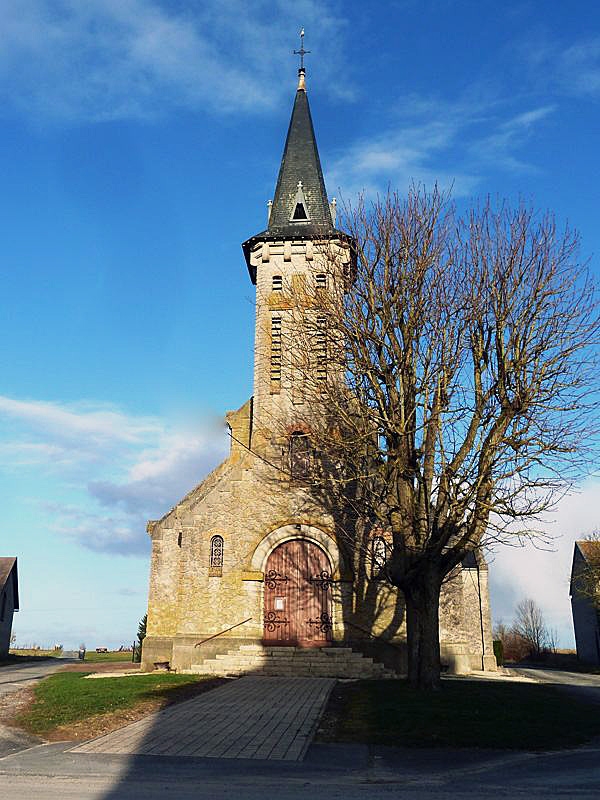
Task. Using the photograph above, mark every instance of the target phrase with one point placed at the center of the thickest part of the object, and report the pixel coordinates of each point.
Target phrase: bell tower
(289, 262)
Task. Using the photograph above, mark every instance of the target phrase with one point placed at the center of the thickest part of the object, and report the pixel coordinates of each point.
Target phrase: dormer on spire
(300, 208)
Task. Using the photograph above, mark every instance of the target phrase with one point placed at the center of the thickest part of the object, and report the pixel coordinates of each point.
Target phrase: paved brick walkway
(253, 717)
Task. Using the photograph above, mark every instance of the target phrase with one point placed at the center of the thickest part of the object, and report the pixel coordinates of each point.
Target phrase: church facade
(249, 561)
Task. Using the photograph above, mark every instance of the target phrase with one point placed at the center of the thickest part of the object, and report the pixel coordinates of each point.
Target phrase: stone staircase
(323, 662)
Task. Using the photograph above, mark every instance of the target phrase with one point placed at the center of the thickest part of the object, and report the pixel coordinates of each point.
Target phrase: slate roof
(6, 567)
(300, 164)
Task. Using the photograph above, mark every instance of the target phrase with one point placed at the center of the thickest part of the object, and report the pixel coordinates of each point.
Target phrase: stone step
(287, 660)
(298, 654)
(291, 663)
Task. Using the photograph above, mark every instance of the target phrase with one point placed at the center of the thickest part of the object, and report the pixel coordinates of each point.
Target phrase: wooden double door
(297, 606)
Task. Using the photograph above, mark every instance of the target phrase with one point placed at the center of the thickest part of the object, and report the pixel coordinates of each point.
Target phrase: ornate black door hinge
(272, 621)
(323, 580)
(274, 578)
(324, 623)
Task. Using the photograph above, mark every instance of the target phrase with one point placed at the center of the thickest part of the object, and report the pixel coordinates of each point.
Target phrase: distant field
(113, 655)
(35, 653)
(91, 655)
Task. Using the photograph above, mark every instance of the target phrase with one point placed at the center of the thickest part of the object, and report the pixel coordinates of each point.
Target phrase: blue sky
(139, 144)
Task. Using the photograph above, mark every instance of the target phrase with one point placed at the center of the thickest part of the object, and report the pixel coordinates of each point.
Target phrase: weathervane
(302, 52)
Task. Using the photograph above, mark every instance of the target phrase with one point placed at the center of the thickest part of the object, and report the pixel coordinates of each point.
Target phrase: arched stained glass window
(216, 556)
(378, 555)
(299, 456)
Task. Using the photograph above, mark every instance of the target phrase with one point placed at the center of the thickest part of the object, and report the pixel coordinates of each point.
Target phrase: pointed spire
(300, 208)
(300, 174)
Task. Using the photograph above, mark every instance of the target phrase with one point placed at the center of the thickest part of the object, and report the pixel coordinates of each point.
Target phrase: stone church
(247, 572)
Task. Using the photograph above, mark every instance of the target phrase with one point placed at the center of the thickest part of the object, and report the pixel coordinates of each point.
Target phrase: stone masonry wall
(250, 502)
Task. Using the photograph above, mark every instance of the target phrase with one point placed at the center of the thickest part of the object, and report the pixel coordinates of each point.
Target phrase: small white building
(9, 600)
(586, 613)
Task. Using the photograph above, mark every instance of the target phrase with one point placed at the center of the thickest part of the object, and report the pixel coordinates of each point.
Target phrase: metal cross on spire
(302, 52)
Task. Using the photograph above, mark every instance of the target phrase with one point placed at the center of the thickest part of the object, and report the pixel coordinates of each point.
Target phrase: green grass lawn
(68, 697)
(463, 714)
(115, 655)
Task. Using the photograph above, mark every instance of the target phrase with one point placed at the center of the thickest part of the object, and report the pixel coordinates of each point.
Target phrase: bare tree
(514, 647)
(455, 406)
(531, 627)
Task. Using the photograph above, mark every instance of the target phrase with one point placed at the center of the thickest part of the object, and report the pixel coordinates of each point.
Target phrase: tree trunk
(423, 631)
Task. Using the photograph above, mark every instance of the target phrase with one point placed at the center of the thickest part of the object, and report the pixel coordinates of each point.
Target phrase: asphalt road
(17, 676)
(348, 772)
(581, 684)
(339, 772)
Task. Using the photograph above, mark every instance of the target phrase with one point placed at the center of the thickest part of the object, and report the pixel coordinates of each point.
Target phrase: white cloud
(499, 147)
(119, 532)
(92, 423)
(579, 68)
(134, 59)
(572, 70)
(398, 156)
(19, 454)
(451, 144)
(544, 573)
(109, 471)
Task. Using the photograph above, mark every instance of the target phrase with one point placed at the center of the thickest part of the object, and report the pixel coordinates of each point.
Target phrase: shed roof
(589, 550)
(7, 565)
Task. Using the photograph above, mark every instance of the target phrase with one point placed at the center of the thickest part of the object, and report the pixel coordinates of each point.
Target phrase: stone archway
(325, 555)
(285, 533)
(297, 595)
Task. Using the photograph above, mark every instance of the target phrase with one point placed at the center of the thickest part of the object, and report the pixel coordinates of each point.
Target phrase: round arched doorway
(297, 608)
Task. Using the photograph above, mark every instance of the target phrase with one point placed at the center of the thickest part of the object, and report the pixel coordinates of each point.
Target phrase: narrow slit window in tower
(321, 348)
(321, 280)
(277, 283)
(275, 354)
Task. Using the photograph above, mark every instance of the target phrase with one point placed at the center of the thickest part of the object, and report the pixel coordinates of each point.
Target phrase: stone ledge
(253, 575)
